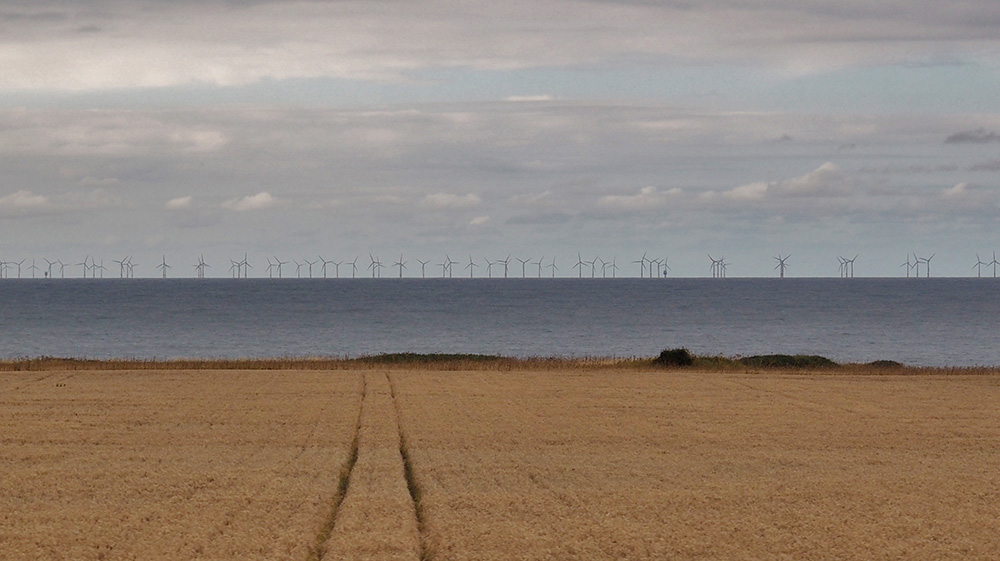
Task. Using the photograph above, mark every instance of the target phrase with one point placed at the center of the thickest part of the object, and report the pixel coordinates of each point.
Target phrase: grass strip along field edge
(670, 359)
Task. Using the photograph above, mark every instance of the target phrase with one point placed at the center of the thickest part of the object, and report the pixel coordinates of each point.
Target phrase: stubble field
(548, 464)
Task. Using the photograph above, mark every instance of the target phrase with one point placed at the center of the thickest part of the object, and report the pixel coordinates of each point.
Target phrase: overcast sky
(610, 128)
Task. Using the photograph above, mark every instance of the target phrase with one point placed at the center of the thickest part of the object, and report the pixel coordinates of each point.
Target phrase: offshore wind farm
(596, 267)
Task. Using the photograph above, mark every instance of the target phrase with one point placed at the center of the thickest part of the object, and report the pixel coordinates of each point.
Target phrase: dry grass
(170, 465)
(586, 461)
(643, 465)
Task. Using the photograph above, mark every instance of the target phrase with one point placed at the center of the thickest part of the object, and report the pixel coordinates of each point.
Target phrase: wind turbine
(489, 267)
(310, 263)
(162, 266)
(506, 265)
(524, 263)
(298, 268)
(927, 262)
(444, 266)
(450, 263)
(62, 268)
(18, 263)
(614, 267)
(270, 268)
(401, 264)
(33, 268)
(48, 273)
(372, 266)
(642, 265)
(553, 268)
(843, 266)
(131, 268)
(718, 267)
(85, 265)
(354, 267)
(539, 263)
(579, 265)
(657, 263)
(101, 267)
(781, 265)
(666, 268)
(200, 267)
(994, 263)
(325, 263)
(471, 266)
(423, 268)
(278, 263)
(246, 265)
(979, 266)
(908, 265)
(593, 266)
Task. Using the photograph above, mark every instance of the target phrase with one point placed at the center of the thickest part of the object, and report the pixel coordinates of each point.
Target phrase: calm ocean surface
(929, 322)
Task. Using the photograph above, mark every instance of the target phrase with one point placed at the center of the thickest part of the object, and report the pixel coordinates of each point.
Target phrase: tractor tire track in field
(377, 517)
(411, 481)
(318, 550)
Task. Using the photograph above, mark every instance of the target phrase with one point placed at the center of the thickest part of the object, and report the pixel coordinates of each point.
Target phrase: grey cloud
(540, 219)
(155, 44)
(977, 136)
(992, 165)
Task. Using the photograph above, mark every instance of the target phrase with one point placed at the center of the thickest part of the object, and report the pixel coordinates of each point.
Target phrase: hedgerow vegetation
(676, 358)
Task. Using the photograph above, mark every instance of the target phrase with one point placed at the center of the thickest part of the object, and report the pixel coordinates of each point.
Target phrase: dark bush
(674, 357)
(885, 364)
(788, 361)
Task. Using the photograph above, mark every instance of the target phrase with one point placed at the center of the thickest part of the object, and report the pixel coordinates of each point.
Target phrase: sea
(921, 322)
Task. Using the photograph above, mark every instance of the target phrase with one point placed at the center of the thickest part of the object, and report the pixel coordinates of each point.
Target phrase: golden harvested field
(642, 465)
(555, 464)
(168, 464)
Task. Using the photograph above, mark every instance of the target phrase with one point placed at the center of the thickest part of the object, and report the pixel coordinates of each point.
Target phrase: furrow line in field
(318, 550)
(411, 481)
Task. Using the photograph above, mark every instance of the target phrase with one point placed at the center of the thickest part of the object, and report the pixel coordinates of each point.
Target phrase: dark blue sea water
(930, 322)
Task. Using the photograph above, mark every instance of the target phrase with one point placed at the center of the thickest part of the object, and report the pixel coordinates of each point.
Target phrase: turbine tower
(927, 263)
(553, 267)
(423, 268)
(200, 267)
(642, 265)
(979, 266)
(325, 263)
(524, 263)
(539, 263)
(909, 266)
(471, 266)
(162, 266)
(781, 266)
(400, 264)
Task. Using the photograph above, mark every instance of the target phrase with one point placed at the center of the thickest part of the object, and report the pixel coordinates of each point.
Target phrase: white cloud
(531, 199)
(647, 198)
(451, 201)
(251, 202)
(23, 200)
(479, 221)
(825, 181)
(527, 98)
(959, 190)
(179, 203)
